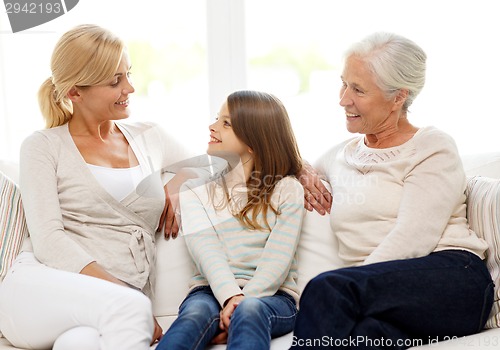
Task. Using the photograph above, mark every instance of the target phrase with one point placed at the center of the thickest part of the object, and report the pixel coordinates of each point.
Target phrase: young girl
(242, 230)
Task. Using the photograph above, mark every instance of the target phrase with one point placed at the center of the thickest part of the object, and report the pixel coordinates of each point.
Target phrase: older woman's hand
(316, 195)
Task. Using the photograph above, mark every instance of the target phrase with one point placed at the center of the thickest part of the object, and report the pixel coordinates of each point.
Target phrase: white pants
(39, 305)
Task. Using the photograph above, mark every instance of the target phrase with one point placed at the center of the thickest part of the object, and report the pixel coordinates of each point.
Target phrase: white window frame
(226, 50)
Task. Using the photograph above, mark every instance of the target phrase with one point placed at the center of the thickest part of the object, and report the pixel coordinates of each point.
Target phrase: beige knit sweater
(400, 202)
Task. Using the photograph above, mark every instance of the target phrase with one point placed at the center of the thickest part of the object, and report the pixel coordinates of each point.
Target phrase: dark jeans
(395, 304)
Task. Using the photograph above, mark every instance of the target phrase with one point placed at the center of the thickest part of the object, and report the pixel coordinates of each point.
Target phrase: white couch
(317, 253)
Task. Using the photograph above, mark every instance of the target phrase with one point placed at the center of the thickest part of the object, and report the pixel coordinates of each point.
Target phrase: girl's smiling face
(223, 140)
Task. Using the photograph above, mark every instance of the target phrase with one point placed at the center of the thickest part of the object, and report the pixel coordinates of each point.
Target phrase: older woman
(414, 269)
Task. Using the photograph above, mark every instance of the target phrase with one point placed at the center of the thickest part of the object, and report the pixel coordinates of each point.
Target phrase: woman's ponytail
(56, 110)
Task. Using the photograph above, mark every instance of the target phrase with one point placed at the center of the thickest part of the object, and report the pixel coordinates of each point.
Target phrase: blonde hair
(86, 55)
(261, 121)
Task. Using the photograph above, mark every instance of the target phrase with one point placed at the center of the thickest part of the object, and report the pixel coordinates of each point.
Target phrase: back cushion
(173, 272)
(318, 248)
(482, 164)
(13, 227)
(483, 213)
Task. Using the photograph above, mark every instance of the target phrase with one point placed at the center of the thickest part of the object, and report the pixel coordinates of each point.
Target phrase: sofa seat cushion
(483, 213)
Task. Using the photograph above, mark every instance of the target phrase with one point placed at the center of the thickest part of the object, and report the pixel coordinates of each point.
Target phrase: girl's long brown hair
(261, 121)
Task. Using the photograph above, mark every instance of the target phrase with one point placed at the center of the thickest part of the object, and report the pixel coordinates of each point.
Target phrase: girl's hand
(220, 338)
(225, 318)
(228, 310)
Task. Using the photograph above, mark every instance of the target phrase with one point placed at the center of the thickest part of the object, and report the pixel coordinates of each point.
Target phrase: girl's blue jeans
(254, 322)
(395, 304)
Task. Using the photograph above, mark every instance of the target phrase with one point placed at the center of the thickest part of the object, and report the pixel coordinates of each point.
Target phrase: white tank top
(119, 182)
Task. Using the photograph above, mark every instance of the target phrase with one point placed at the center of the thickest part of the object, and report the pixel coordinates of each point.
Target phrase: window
(167, 44)
(189, 54)
(294, 50)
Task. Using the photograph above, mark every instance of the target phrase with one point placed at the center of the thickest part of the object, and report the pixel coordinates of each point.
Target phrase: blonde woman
(242, 231)
(93, 198)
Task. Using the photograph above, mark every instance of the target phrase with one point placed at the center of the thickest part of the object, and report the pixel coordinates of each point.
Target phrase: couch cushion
(174, 269)
(482, 164)
(13, 228)
(483, 210)
(10, 169)
(318, 248)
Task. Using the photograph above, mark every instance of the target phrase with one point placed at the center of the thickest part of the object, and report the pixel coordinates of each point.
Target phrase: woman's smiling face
(108, 101)
(367, 109)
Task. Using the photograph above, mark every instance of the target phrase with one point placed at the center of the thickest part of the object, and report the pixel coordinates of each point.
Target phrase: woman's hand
(316, 195)
(158, 332)
(169, 221)
(95, 270)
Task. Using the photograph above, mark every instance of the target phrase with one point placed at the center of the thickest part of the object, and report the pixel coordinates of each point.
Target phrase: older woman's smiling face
(367, 109)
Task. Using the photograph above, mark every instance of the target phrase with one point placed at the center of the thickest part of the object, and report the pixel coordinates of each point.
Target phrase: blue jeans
(254, 322)
(395, 304)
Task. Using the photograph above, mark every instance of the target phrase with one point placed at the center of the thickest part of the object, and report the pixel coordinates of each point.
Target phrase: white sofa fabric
(317, 252)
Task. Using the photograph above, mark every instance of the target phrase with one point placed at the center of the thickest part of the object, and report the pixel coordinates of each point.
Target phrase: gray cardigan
(73, 221)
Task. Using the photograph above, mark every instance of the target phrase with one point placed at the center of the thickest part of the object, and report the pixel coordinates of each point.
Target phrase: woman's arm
(40, 195)
(202, 167)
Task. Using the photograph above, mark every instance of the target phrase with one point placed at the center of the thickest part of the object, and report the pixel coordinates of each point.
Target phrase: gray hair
(397, 63)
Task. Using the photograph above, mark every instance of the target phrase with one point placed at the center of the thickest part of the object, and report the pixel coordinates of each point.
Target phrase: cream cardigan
(73, 221)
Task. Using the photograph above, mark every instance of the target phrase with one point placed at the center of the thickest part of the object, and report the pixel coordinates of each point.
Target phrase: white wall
(459, 36)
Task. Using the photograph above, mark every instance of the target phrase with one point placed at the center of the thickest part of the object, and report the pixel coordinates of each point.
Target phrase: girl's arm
(279, 251)
(203, 243)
